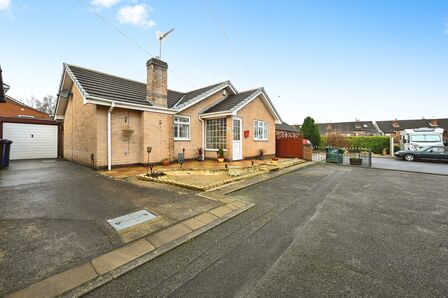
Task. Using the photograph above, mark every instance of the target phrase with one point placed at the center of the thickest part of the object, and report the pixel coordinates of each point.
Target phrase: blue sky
(332, 60)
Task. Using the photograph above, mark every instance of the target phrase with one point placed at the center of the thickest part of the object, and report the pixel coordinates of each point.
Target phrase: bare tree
(46, 104)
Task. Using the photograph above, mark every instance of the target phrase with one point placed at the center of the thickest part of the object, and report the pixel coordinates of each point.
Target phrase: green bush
(376, 143)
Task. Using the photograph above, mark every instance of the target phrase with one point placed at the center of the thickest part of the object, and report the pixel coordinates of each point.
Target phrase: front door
(237, 147)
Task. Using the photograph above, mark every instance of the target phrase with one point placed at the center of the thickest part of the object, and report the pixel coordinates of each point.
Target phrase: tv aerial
(161, 37)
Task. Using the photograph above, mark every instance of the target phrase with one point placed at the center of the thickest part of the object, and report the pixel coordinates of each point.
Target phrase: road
(434, 167)
(320, 231)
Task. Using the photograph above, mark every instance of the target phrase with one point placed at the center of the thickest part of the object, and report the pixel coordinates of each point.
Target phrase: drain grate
(131, 219)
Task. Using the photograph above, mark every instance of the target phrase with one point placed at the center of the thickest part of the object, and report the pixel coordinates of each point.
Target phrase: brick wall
(13, 109)
(256, 110)
(80, 129)
(308, 153)
(125, 149)
(157, 132)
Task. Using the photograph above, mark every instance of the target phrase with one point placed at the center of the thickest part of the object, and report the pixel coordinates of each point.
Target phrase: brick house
(14, 108)
(394, 127)
(355, 128)
(109, 120)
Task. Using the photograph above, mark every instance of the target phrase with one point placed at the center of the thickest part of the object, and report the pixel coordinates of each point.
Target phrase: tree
(310, 131)
(46, 105)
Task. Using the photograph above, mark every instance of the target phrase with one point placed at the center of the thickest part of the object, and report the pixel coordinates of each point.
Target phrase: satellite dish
(159, 35)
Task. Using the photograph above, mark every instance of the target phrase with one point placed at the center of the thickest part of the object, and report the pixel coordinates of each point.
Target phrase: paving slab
(206, 217)
(121, 256)
(58, 284)
(221, 211)
(193, 223)
(169, 234)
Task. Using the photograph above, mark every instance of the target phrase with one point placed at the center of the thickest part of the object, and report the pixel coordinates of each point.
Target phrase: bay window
(260, 130)
(215, 134)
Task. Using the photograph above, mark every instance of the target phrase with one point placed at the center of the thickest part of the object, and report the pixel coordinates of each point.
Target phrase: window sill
(178, 139)
(215, 150)
(261, 140)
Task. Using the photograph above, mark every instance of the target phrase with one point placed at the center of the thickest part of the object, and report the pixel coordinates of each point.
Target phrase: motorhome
(418, 138)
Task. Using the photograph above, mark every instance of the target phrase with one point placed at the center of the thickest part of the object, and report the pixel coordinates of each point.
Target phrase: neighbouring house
(355, 128)
(33, 135)
(15, 108)
(394, 127)
(111, 121)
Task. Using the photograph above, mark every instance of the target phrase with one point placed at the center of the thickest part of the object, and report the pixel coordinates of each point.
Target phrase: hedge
(376, 143)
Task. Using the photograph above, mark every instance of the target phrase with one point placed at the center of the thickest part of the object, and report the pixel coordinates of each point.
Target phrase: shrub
(310, 131)
(376, 143)
(337, 140)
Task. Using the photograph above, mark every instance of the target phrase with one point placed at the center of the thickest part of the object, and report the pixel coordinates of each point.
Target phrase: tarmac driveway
(427, 166)
(53, 216)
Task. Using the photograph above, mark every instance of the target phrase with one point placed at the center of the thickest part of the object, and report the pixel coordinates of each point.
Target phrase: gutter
(203, 137)
(109, 136)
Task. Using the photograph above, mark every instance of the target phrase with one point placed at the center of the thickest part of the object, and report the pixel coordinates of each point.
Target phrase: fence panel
(289, 144)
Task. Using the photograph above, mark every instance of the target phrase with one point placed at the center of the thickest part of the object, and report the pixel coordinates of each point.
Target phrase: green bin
(335, 155)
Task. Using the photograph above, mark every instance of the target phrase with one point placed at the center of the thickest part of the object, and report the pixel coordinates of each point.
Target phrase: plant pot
(261, 157)
(165, 162)
(220, 159)
(354, 161)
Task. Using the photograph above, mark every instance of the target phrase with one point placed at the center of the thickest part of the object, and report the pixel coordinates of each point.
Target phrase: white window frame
(176, 138)
(266, 131)
(206, 141)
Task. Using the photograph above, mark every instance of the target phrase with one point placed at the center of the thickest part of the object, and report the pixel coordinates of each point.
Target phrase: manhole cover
(131, 219)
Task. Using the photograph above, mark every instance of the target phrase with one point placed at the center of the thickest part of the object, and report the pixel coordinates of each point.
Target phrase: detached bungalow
(111, 121)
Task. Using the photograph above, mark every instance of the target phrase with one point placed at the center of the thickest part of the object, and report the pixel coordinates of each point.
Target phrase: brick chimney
(157, 84)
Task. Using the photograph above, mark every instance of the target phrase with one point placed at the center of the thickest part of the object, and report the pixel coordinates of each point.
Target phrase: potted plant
(261, 154)
(220, 154)
(275, 160)
(199, 153)
(127, 131)
(356, 161)
(165, 162)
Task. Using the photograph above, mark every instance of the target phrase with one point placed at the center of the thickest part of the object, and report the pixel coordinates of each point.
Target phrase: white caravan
(418, 138)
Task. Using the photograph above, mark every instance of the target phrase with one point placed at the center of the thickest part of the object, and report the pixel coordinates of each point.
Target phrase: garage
(32, 139)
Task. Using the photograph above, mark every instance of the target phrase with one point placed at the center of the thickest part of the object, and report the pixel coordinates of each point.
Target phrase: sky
(331, 60)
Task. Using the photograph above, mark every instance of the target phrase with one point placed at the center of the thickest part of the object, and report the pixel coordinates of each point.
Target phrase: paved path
(434, 167)
(320, 231)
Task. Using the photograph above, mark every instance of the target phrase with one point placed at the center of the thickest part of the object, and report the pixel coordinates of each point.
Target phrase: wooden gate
(289, 144)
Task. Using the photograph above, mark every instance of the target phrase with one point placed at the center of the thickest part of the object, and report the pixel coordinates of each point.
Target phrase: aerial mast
(161, 37)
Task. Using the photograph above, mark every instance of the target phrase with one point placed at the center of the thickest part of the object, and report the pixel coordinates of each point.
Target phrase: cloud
(4, 4)
(137, 15)
(103, 3)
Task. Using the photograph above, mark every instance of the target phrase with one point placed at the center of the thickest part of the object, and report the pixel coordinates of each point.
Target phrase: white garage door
(31, 140)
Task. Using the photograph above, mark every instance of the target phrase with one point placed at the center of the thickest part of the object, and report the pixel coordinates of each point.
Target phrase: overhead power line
(229, 41)
(119, 31)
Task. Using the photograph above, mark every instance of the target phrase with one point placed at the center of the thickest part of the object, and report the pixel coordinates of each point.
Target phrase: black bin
(5, 149)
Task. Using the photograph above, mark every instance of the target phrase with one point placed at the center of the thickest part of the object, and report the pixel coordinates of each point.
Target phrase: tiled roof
(347, 127)
(115, 88)
(192, 94)
(230, 102)
(110, 87)
(387, 127)
(286, 127)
